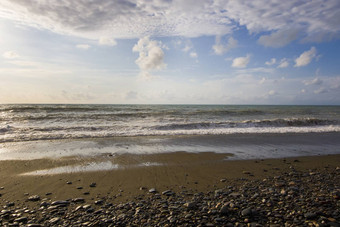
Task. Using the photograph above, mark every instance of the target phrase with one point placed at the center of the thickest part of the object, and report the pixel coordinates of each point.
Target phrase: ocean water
(255, 131)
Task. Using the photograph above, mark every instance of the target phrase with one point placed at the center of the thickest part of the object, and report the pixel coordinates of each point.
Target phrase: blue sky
(170, 51)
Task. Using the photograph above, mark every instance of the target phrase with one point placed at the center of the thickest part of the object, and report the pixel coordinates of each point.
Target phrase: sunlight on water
(88, 167)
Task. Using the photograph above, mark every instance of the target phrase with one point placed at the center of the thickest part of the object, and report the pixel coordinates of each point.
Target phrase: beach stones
(92, 185)
(190, 205)
(312, 200)
(54, 220)
(167, 193)
(60, 202)
(78, 200)
(152, 190)
(224, 209)
(34, 198)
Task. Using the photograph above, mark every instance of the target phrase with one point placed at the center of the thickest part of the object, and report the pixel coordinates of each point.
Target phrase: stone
(34, 198)
(78, 200)
(218, 192)
(98, 202)
(190, 205)
(94, 184)
(167, 193)
(310, 215)
(152, 190)
(247, 212)
(54, 220)
(21, 220)
(60, 202)
(224, 209)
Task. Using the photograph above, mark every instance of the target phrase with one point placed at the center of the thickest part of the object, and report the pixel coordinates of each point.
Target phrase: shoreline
(183, 174)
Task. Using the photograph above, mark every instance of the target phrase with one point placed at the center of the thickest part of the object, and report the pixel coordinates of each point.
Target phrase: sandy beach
(177, 172)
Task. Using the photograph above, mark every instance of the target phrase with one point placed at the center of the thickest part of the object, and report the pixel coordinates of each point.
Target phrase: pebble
(167, 193)
(92, 185)
(152, 190)
(60, 202)
(224, 209)
(247, 212)
(190, 205)
(34, 198)
(312, 200)
(54, 220)
(78, 200)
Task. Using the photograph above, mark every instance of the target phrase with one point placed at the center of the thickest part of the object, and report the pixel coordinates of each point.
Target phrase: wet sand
(200, 172)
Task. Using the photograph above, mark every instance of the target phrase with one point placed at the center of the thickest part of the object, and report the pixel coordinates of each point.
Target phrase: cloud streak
(309, 20)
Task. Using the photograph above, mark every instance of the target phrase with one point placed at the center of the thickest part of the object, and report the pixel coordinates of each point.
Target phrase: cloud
(271, 62)
(278, 38)
(321, 90)
(311, 20)
(285, 20)
(272, 92)
(193, 54)
(220, 48)
(315, 81)
(10, 55)
(305, 58)
(241, 62)
(106, 41)
(283, 63)
(83, 46)
(151, 56)
(262, 80)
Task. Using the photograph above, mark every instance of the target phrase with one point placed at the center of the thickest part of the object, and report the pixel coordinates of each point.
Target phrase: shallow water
(240, 146)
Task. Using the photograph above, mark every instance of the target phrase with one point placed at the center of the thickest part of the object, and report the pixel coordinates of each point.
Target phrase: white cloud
(315, 81)
(313, 20)
(278, 38)
(283, 63)
(241, 62)
(305, 58)
(272, 92)
(10, 55)
(106, 41)
(151, 56)
(321, 90)
(271, 62)
(220, 48)
(262, 80)
(83, 46)
(193, 54)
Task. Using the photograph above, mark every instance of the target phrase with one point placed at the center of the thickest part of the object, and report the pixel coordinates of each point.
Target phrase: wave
(249, 123)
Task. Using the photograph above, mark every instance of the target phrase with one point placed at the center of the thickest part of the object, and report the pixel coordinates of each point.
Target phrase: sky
(170, 51)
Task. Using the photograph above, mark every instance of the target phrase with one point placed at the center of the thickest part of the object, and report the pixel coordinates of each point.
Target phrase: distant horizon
(173, 104)
(170, 51)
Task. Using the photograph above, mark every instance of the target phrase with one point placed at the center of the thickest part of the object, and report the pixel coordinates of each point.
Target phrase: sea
(245, 131)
